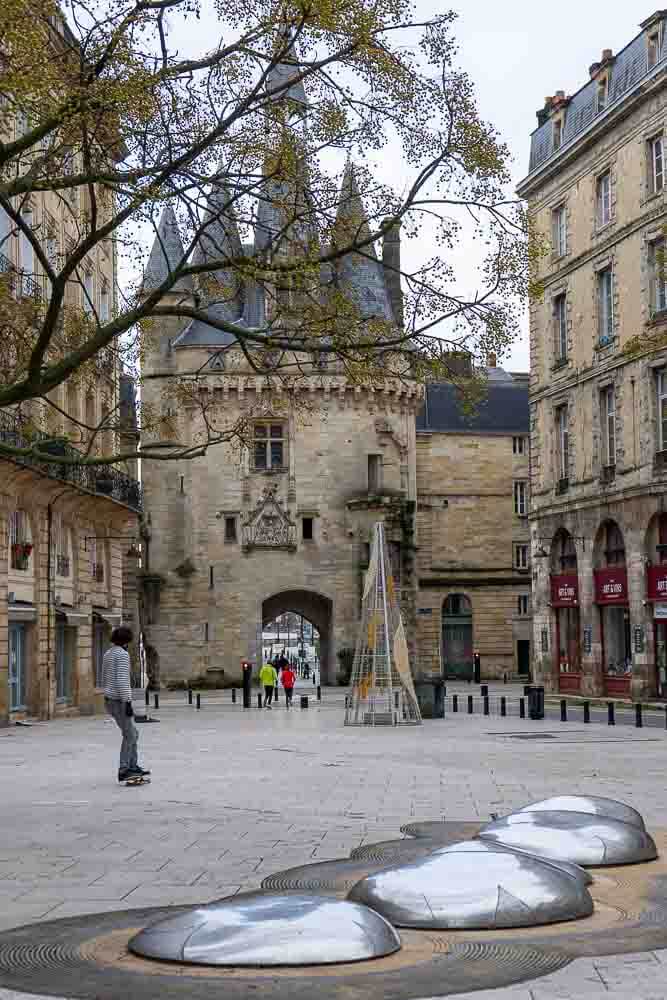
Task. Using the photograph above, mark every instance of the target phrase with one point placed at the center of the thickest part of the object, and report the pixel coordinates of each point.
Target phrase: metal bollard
(522, 708)
(198, 701)
(484, 690)
(148, 696)
(526, 689)
(611, 718)
(503, 706)
(156, 700)
(259, 699)
(189, 696)
(504, 678)
(587, 711)
(313, 678)
(319, 695)
(638, 717)
(563, 710)
(233, 696)
(395, 699)
(486, 704)
(455, 703)
(470, 705)
(665, 716)
(304, 701)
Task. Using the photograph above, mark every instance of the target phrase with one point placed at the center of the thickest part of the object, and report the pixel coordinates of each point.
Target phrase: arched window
(661, 547)
(614, 546)
(20, 541)
(566, 553)
(457, 605)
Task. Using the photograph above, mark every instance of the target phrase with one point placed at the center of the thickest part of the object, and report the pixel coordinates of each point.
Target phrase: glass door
(661, 658)
(17, 667)
(63, 663)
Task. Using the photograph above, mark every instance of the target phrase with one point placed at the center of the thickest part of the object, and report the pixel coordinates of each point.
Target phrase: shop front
(565, 604)
(611, 597)
(656, 594)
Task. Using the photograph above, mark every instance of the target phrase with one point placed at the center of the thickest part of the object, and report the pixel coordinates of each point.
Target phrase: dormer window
(558, 133)
(653, 48)
(602, 93)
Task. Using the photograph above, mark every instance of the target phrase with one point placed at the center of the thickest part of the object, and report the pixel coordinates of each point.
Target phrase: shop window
(20, 541)
(269, 447)
(230, 529)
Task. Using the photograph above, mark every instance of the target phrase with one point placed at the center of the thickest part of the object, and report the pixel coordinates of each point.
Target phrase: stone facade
(596, 191)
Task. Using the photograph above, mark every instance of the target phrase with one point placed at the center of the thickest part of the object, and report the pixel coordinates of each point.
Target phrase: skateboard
(138, 779)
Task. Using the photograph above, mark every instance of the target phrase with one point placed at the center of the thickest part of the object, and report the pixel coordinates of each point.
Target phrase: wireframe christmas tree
(381, 691)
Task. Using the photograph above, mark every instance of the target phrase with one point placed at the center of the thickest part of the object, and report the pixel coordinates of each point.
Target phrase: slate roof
(629, 68)
(283, 72)
(504, 409)
(166, 254)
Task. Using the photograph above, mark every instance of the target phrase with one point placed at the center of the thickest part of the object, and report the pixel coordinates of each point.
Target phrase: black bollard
(455, 703)
(611, 718)
(470, 705)
(486, 704)
(665, 716)
(395, 699)
(526, 689)
(148, 696)
(638, 717)
(259, 700)
(189, 696)
(198, 701)
(522, 708)
(319, 695)
(484, 690)
(587, 711)
(313, 678)
(156, 700)
(504, 678)
(563, 710)
(503, 706)
(233, 696)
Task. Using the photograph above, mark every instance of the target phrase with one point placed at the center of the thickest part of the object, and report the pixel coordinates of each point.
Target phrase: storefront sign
(639, 639)
(564, 590)
(545, 640)
(611, 586)
(656, 583)
(660, 612)
(588, 638)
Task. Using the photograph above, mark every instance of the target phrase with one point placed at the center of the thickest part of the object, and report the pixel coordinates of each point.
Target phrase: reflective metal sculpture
(483, 846)
(485, 891)
(583, 838)
(262, 929)
(595, 804)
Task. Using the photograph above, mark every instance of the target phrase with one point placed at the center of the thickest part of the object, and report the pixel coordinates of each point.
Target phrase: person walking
(268, 678)
(288, 679)
(118, 701)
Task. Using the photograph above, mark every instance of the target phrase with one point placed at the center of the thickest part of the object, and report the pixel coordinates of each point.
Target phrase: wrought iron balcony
(102, 479)
(20, 283)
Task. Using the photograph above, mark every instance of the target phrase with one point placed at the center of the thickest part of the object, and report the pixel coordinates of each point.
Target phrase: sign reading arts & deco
(656, 583)
(611, 586)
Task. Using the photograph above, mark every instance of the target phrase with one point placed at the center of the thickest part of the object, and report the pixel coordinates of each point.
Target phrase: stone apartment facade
(596, 191)
(64, 531)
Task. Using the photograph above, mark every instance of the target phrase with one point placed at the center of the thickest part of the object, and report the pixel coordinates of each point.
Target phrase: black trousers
(288, 695)
(268, 694)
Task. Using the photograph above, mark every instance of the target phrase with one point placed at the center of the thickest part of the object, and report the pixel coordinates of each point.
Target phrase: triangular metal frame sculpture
(382, 691)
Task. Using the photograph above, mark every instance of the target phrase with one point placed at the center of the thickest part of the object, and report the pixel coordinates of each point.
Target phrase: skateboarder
(118, 701)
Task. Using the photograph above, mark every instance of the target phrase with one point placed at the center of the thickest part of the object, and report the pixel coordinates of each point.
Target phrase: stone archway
(318, 610)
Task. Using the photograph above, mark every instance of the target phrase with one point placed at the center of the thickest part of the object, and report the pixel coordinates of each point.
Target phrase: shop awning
(23, 612)
(72, 617)
(112, 618)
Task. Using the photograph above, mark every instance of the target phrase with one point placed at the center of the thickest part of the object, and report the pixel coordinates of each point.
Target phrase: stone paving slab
(238, 795)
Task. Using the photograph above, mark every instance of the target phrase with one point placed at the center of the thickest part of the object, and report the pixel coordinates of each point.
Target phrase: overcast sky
(517, 52)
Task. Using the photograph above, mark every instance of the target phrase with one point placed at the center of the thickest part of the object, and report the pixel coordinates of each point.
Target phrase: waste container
(304, 701)
(536, 702)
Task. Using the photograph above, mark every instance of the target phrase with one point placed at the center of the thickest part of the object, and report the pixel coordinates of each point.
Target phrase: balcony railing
(102, 479)
(20, 283)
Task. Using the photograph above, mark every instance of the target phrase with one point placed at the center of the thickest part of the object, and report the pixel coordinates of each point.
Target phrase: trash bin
(536, 702)
(304, 701)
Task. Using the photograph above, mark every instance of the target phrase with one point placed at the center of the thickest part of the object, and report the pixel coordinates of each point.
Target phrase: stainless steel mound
(585, 839)
(262, 929)
(468, 887)
(486, 846)
(597, 805)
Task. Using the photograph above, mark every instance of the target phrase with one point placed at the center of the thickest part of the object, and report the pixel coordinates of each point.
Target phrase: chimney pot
(607, 54)
(491, 361)
(560, 94)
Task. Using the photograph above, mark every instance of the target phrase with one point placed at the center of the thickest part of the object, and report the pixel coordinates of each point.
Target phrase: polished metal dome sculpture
(597, 805)
(583, 838)
(263, 929)
(483, 847)
(486, 890)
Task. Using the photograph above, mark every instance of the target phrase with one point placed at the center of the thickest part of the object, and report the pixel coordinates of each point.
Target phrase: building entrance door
(661, 658)
(523, 657)
(64, 647)
(457, 637)
(17, 667)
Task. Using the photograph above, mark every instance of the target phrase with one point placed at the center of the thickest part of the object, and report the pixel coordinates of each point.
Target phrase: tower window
(230, 529)
(307, 529)
(374, 473)
(269, 446)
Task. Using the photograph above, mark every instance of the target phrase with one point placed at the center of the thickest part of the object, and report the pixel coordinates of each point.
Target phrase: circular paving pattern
(88, 956)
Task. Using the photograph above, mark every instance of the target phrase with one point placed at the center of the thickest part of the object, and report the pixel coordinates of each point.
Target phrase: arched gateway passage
(317, 610)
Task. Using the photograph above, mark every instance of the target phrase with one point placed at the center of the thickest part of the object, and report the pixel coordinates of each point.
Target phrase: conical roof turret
(280, 75)
(166, 255)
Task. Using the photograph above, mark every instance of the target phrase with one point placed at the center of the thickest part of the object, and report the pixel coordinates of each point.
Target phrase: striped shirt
(116, 674)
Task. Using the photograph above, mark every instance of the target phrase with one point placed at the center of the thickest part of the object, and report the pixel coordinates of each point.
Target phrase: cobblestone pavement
(237, 795)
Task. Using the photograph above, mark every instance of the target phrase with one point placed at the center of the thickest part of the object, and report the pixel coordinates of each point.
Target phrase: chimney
(491, 361)
(593, 69)
(391, 264)
(607, 54)
(459, 363)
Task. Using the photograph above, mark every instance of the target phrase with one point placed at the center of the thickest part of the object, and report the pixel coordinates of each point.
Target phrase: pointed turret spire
(359, 274)
(286, 70)
(167, 253)
(219, 242)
